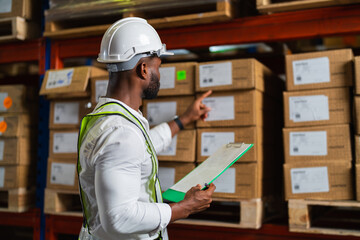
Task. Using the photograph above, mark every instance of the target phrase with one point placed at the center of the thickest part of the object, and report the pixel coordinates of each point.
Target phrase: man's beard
(152, 90)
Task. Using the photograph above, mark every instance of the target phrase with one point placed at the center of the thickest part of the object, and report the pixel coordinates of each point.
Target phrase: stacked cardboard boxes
(175, 95)
(18, 109)
(357, 125)
(69, 91)
(317, 133)
(245, 107)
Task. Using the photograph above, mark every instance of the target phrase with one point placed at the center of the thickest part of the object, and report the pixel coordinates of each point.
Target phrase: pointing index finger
(205, 95)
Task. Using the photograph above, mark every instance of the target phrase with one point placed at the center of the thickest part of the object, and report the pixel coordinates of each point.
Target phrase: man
(117, 163)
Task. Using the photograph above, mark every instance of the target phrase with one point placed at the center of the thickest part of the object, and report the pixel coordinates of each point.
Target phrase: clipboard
(208, 171)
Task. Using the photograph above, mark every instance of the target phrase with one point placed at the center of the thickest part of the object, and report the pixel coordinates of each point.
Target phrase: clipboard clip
(234, 145)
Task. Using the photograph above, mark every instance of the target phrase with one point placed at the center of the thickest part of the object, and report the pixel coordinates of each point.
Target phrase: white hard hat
(127, 38)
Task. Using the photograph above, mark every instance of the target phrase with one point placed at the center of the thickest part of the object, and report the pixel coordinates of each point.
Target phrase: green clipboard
(207, 171)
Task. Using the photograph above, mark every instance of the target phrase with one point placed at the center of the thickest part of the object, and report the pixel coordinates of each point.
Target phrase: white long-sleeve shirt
(115, 170)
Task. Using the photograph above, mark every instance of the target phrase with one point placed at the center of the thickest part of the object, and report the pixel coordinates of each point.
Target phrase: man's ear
(142, 69)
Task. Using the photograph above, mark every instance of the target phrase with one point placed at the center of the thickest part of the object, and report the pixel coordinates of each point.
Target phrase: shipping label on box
(177, 79)
(210, 139)
(63, 143)
(321, 143)
(68, 113)
(165, 109)
(317, 107)
(69, 82)
(62, 174)
(99, 87)
(329, 180)
(181, 149)
(319, 70)
(170, 173)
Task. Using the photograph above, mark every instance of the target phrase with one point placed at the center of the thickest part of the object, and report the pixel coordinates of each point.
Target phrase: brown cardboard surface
(246, 74)
(17, 99)
(357, 174)
(62, 172)
(338, 104)
(17, 151)
(251, 107)
(83, 107)
(79, 82)
(357, 148)
(357, 114)
(185, 148)
(15, 125)
(254, 135)
(357, 74)
(18, 176)
(340, 181)
(182, 103)
(63, 144)
(20, 8)
(98, 88)
(337, 143)
(341, 74)
(181, 170)
(184, 79)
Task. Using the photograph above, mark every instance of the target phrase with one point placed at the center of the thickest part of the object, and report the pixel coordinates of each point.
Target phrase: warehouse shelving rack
(30, 51)
(314, 23)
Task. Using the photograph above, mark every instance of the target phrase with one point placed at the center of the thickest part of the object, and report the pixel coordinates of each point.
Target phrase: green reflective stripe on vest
(89, 121)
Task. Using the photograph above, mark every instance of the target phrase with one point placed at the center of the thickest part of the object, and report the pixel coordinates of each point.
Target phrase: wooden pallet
(17, 28)
(266, 6)
(324, 217)
(62, 202)
(219, 11)
(17, 200)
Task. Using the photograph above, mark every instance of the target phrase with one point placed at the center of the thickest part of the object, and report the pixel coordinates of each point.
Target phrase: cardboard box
(18, 8)
(357, 174)
(357, 148)
(65, 114)
(17, 99)
(16, 125)
(63, 144)
(210, 139)
(327, 69)
(182, 148)
(69, 82)
(62, 174)
(240, 108)
(321, 143)
(357, 114)
(17, 176)
(317, 107)
(177, 79)
(98, 88)
(237, 74)
(172, 172)
(330, 180)
(17, 151)
(357, 74)
(165, 109)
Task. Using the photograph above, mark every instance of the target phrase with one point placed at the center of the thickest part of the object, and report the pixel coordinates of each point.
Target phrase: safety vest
(89, 121)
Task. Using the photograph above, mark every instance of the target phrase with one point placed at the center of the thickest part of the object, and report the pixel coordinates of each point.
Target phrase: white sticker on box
(3, 95)
(216, 74)
(222, 108)
(159, 112)
(59, 78)
(309, 180)
(170, 150)
(167, 77)
(66, 112)
(211, 141)
(166, 177)
(312, 143)
(2, 176)
(309, 108)
(226, 182)
(5, 6)
(65, 142)
(2, 148)
(309, 71)
(100, 89)
(63, 173)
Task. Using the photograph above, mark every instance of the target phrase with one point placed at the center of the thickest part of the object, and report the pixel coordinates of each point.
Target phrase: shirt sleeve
(118, 186)
(161, 137)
